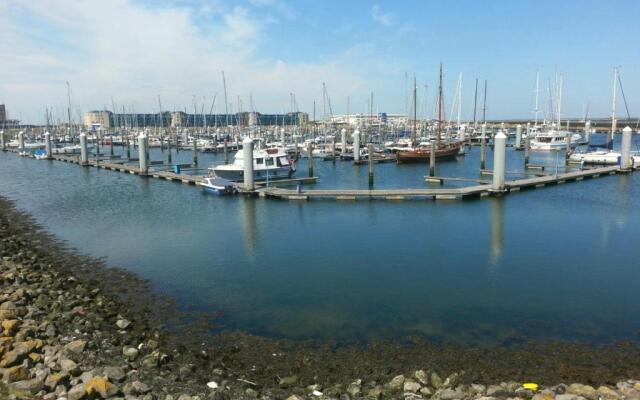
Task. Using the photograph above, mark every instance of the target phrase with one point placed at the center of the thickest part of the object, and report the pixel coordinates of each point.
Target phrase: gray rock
(69, 366)
(76, 347)
(354, 388)
(115, 374)
(607, 393)
(422, 376)
(123, 323)
(396, 383)
(497, 391)
(292, 397)
(427, 392)
(288, 381)
(585, 391)
(449, 394)
(412, 396)
(184, 397)
(131, 353)
(569, 397)
(136, 388)
(451, 381)
(410, 386)
(374, 393)
(477, 389)
(436, 381)
(31, 386)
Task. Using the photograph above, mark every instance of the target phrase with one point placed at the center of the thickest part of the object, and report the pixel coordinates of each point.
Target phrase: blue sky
(133, 51)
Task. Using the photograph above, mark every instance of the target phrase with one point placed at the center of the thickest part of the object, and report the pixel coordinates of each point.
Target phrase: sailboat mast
(415, 109)
(475, 104)
(613, 103)
(536, 110)
(560, 100)
(226, 100)
(69, 106)
(484, 104)
(440, 108)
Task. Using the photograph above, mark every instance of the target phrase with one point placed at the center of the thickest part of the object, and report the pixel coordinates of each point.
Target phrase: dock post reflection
(497, 230)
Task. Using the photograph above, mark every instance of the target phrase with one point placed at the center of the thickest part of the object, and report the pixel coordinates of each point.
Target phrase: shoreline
(74, 328)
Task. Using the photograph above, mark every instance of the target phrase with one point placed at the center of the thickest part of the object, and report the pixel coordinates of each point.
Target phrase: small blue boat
(218, 186)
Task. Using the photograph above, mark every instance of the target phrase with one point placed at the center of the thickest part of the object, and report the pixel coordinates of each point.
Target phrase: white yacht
(268, 164)
(554, 140)
(602, 157)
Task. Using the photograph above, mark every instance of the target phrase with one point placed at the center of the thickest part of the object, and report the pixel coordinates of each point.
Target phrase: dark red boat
(423, 154)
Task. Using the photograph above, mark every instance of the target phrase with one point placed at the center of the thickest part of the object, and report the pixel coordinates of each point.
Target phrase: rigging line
(624, 98)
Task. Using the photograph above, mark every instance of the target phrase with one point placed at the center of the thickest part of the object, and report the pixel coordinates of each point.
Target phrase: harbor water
(555, 263)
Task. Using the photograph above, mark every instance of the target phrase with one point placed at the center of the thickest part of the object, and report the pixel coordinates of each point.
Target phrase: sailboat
(423, 152)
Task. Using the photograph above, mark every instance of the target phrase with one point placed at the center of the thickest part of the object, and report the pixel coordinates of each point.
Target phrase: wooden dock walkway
(436, 194)
(481, 188)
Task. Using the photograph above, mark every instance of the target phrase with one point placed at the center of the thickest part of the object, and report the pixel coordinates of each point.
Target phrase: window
(269, 161)
(259, 160)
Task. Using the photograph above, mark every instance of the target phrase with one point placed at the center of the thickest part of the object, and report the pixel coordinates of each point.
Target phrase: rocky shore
(73, 329)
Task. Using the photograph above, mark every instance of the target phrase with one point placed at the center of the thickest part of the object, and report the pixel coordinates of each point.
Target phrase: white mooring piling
(3, 145)
(356, 146)
(483, 145)
(587, 131)
(499, 152)
(84, 152)
(625, 150)
(47, 144)
(142, 153)
(343, 141)
(247, 159)
(518, 136)
(21, 141)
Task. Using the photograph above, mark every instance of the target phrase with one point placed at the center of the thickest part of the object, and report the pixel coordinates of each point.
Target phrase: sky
(132, 53)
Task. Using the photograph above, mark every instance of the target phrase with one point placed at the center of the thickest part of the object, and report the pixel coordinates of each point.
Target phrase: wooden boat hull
(424, 155)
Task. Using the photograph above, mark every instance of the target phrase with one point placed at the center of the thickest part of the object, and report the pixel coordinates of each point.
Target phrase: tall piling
(111, 147)
(356, 146)
(3, 145)
(432, 157)
(195, 151)
(310, 158)
(518, 136)
(169, 150)
(483, 145)
(333, 149)
(84, 153)
(499, 157)
(226, 152)
(626, 163)
(21, 141)
(47, 144)
(343, 142)
(587, 131)
(370, 160)
(142, 153)
(527, 148)
(247, 160)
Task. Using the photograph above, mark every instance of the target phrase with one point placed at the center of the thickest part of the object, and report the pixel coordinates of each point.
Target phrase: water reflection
(497, 231)
(248, 217)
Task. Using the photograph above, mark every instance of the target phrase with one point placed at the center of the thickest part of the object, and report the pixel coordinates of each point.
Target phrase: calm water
(560, 262)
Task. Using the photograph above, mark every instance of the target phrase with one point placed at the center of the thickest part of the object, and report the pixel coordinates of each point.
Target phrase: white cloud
(133, 52)
(386, 19)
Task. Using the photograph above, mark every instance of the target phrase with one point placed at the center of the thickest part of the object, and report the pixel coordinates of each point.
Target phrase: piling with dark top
(527, 147)
(47, 143)
(84, 153)
(169, 150)
(128, 149)
(310, 158)
(370, 159)
(111, 147)
(432, 158)
(483, 144)
(195, 151)
(226, 152)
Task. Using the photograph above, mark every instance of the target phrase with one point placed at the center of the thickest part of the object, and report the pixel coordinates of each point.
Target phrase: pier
(274, 189)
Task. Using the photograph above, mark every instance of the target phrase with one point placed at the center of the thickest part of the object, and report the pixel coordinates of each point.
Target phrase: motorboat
(271, 163)
(602, 157)
(218, 186)
(554, 140)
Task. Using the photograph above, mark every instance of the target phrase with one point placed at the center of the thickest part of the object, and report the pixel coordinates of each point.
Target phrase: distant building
(3, 113)
(176, 119)
(368, 119)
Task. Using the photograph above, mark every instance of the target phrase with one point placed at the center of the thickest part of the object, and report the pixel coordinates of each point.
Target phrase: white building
(368, 119)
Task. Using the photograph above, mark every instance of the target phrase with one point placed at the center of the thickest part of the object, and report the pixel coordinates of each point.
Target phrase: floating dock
(273, 190)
